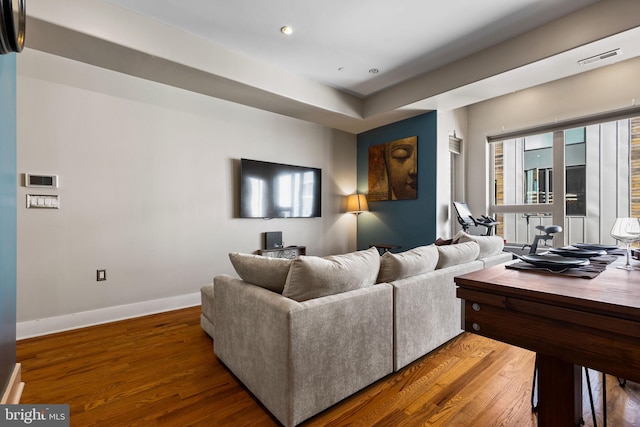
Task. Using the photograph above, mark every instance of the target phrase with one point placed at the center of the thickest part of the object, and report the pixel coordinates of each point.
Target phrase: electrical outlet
(101, 275)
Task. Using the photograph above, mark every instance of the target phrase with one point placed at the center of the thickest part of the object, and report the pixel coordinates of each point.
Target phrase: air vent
(600, 57)
(455, 145)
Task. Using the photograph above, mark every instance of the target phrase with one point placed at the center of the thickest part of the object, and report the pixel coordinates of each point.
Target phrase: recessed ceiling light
(286, 30)
(374, 71)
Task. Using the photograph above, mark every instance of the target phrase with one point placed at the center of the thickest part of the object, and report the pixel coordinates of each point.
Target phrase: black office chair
(467, 220)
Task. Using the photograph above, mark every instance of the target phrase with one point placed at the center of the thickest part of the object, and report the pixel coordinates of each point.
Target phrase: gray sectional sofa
(304, 334)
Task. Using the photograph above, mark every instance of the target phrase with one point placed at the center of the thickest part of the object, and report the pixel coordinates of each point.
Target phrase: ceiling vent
(600, 57)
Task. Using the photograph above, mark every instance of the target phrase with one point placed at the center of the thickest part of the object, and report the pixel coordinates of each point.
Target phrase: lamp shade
(357, 203)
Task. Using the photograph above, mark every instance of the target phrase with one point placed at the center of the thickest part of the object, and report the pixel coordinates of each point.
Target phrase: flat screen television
(274, 190)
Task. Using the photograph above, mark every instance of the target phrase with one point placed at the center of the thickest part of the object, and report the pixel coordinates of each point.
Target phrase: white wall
(149, 186)
(606, 89)
(449, 122)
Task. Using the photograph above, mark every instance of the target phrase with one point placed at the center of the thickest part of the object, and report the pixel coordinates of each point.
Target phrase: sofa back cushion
(313, 277)
(489, 245)
(457, 254)
(408, 263)
(266, 272)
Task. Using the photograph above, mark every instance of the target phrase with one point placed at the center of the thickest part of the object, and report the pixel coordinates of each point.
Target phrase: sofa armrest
(299, 358)
(496, 259)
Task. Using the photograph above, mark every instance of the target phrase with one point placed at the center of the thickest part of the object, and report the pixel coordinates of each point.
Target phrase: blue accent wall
(8, 187)
(407, 223)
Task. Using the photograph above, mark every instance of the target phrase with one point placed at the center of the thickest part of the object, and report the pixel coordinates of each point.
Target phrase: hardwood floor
(161, 370)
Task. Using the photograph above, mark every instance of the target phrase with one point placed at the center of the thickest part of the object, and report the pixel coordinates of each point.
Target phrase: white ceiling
(337, 42)
(431, 55)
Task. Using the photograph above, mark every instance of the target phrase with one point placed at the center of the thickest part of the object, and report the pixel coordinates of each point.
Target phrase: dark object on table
(577, 252)
(467, 220)
(272, 239)
(548, 230)
(382, 248)
(443, 242)
(554, 262)
(595, 246)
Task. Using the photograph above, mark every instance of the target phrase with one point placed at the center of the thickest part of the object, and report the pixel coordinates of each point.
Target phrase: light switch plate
(43, 201)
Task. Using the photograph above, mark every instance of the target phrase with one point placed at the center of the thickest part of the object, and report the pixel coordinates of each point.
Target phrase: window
(576, 192)
(600, 181)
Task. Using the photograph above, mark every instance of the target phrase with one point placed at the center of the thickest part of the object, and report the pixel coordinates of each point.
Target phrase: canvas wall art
(393, 170)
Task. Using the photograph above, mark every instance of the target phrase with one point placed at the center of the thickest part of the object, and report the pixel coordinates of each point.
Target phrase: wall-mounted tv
(274, 190)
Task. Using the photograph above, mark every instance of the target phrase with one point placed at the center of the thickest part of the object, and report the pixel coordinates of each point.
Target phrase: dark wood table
(569, 322)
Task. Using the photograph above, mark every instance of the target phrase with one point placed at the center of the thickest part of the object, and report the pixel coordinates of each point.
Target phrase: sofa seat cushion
(408, 263)
(266, 272)
(313, 277)
(457, 254)
(489, 245)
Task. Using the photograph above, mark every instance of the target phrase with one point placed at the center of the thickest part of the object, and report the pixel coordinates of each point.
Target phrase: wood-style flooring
(161, 370)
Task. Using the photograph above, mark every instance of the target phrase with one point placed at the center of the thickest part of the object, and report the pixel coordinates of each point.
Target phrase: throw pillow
(313, 277)
(408, 263)
(489, 245)
(266, 272)
(457, 254)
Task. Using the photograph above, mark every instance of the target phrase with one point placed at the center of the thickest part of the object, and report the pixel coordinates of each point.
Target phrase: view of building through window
(635, 167)
(601, 181)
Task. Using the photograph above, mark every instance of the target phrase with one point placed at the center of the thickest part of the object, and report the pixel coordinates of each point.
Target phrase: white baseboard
(50, 325)
(14, 389)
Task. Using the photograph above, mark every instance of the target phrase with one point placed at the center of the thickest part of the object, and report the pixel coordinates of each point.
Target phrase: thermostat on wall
(46, 181)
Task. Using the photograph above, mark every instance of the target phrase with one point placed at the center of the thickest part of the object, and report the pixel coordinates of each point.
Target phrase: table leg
(559, 392)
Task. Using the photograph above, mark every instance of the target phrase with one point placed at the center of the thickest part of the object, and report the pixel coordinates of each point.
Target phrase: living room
(148, 178)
